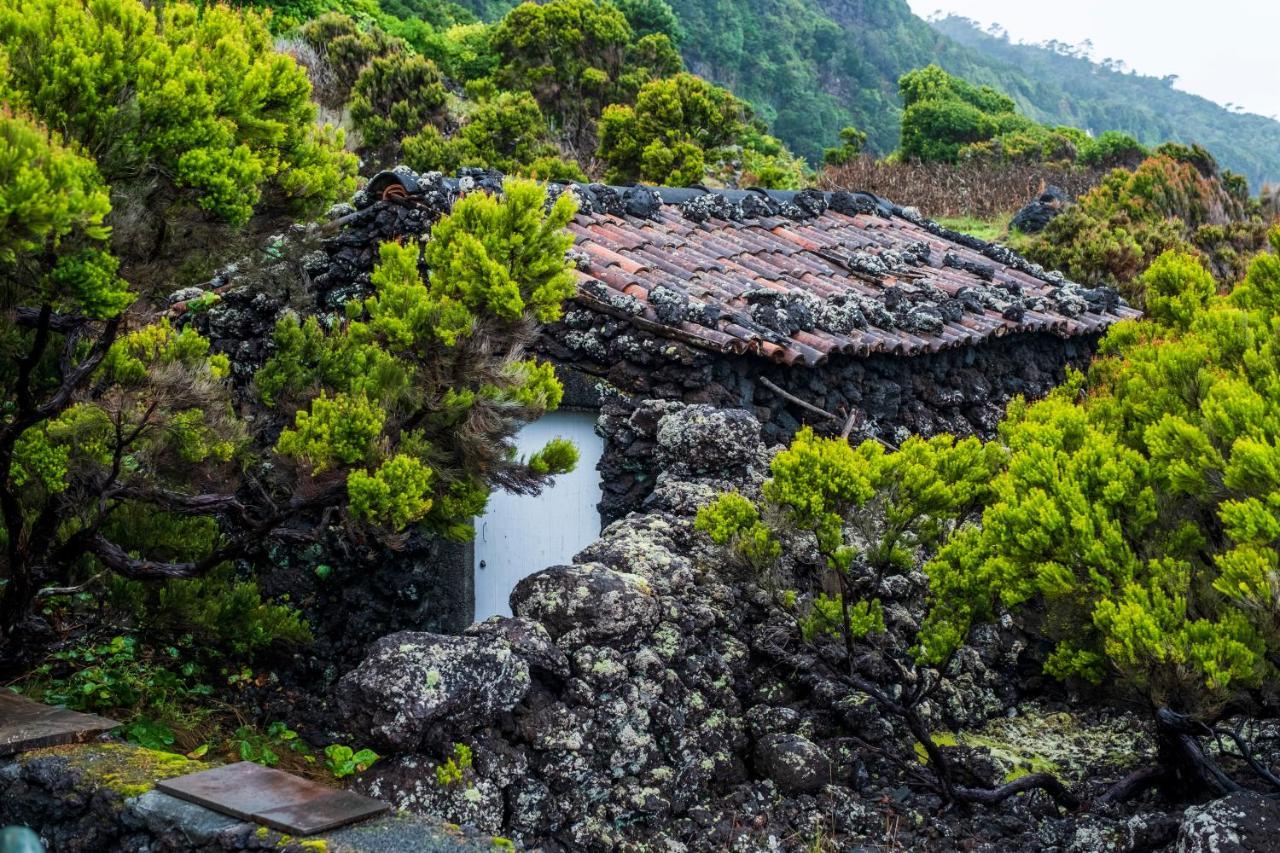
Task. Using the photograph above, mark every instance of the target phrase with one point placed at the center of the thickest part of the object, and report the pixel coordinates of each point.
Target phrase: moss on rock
(1066, 744)
(123, 768)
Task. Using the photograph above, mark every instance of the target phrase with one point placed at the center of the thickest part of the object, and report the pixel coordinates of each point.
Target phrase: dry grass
(984, 191)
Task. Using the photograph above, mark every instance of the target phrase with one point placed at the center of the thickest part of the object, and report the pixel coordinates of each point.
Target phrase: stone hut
(836, 309)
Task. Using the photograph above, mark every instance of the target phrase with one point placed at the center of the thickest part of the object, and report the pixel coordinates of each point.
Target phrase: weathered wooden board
(25, 724)
(272, 797)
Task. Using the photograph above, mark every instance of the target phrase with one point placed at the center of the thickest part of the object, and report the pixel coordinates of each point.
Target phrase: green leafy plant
(1176, 199)
(870, 513)
(495, 266)
(124, 453)
(121, 675)
(505, 132)
(454, 770)
(576, 56)
(395, 96)
(342, 761)
(266, 747)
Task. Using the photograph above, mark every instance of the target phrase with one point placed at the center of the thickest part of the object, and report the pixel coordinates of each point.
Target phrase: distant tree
(576, 56)
(852, 142)
(346, 49)
(945, 114)
(1112, 149)
(464, 52)
(666, 136)
(651, 17)
(395, 96)
(568, 53)
(505, 132)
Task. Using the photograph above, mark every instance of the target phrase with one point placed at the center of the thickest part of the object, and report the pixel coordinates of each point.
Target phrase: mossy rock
(124, 768)
(1065, 744)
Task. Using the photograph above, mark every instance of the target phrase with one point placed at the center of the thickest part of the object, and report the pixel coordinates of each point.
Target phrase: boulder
(588, 604)
(412, 681)
(1039, 212)
(705, 440)
(796, 764)
(1243, 822)
(410, 783)
(528, 639)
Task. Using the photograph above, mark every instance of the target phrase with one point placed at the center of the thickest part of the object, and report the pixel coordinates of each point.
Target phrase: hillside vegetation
(811, 67)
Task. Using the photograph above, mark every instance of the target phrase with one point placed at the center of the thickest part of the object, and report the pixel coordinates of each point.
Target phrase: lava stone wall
(961, 391)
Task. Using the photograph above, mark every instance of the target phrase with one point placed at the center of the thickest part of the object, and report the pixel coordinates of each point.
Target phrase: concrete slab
(272, 797)
(25, 725)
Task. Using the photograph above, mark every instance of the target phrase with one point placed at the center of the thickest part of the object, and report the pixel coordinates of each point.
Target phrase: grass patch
(990, 230)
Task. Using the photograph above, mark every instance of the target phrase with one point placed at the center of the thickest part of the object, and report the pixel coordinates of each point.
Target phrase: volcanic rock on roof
(796, 276)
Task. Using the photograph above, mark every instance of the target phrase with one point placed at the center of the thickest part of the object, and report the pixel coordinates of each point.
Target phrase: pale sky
(1224, 50)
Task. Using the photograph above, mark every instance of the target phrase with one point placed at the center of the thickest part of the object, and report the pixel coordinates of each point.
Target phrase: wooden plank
(272, 797)
(26, 725)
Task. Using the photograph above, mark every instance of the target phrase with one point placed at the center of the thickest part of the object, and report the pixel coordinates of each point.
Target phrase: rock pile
(632, 702)
(1038, 213)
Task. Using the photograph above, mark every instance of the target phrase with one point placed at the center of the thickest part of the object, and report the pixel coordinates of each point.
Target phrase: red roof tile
(781, 287)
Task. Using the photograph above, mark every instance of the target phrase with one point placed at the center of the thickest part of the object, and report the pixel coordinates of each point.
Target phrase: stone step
(104, 797)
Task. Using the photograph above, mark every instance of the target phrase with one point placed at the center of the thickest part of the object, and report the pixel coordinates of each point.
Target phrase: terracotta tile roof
(861, 276)
(789, 276)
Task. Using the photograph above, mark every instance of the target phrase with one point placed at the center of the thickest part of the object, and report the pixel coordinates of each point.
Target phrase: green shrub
(852, 143)
(1113, 233)
(871, 513)
(496, 266)
(651, 17)
(942, 114)
(195, 95)
(505, 132)
(1141, 516)
(346, 48)
(669, 133)
(395, 96)
(576, 56)
(53, 233)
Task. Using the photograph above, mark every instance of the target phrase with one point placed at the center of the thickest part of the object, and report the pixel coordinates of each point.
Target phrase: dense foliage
(193, 97)
(1130, 519)
(811, 68)
(1174, 199)
(1144, 516)
(1134, 509)
(377, 413)
(947, 119)
(576, 57)
(505, 131)
(395, 95)
(126, 454)
(666, 136)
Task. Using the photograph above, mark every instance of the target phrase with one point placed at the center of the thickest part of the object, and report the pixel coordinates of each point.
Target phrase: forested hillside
(1065, 89)
(812, 67)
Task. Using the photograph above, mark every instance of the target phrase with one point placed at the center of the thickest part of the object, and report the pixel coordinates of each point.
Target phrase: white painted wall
(519, 534)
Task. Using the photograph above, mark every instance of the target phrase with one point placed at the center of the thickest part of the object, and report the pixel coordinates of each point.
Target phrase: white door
(521, 534)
